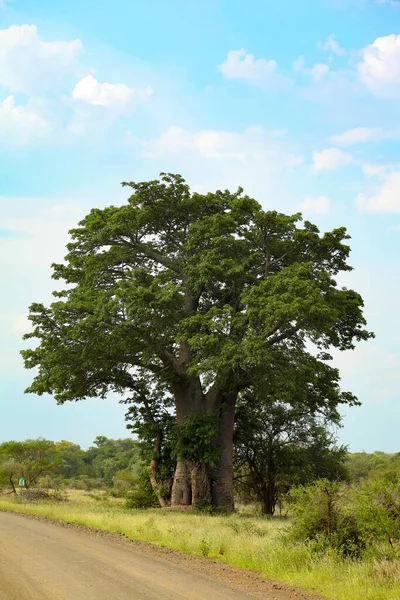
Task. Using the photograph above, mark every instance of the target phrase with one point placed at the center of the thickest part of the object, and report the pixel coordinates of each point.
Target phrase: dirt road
(42, 561)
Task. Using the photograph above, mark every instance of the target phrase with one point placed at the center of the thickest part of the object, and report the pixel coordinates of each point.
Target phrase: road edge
(246, 579)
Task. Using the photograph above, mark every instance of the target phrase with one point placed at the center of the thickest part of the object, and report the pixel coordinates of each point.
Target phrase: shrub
(324, 516)
(378, 510)
(142, 496)
(123, 481)
(35, 495)
(39, 495)
(88, 483)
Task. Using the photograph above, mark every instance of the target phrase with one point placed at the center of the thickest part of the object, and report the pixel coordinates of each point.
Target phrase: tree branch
(283, 336)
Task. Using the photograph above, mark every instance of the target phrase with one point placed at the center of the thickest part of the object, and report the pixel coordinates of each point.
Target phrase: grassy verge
(241, 541)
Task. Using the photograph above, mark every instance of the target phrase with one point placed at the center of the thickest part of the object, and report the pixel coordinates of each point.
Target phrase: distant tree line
(274, 453)
(41, 462)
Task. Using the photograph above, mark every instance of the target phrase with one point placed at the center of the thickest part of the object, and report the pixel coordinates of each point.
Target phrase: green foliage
(106, 457)
(324, 517)
(378, 510)
(143, 495)
(192, 292)
(30, 459)
(193, 441)
(362, 465)
(123, 481)
(108, 463)
(205, 547)
(84, 482)
(150, 417)
(282, 431)
(351, 520)
(254, 278)
(72, 457)
(209, 509)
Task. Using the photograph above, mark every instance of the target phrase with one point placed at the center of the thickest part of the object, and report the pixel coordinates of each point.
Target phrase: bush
(35, 495)
(142, 496)
(39, 495)
(88, 483)
(378, 510)
(324, 516)
(123, 481)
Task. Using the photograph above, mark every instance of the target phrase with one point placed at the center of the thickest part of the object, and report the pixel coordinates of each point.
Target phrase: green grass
(239, 540)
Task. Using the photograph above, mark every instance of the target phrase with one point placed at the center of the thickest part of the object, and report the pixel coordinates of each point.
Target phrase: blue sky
(297, 102)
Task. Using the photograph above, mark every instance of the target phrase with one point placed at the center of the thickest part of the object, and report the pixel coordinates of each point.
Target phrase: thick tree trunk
(188, 402)
(181, 488)
(195, 483)
(200, 483)
(222, 474)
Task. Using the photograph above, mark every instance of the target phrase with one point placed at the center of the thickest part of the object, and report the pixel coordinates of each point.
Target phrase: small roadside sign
(22, 481)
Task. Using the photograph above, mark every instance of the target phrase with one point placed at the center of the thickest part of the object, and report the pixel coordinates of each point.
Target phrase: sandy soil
(45, 560)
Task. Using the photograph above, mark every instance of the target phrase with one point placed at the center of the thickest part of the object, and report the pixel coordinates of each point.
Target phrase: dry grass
(239, 540)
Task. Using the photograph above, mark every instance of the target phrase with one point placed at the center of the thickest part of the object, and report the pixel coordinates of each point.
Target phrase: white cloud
(330, 160)
(294, 160)
(387, 200)
(208, 143)
(251, 144)
(20, 125)
(25, 260)
(331, 45)
(216, 144)
(299, 64)
(28, 64)
(393, 360)
(359, 135)
(92, 91)
(60, 209)
(240, 64)
(255, 159)
(380, 66)
(353, 362)
(40, 239)
(20, 324)
(319, 70)
(316, 72)
(371, 170)
(316, 204)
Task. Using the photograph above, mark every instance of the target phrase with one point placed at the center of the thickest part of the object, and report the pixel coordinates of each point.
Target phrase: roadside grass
(239, 540)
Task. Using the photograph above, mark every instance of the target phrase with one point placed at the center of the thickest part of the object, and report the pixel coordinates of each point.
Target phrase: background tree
(72, 463)
(9, 470)
(196, 291)
(107, 456)
(376, 465)
(151, 418)
(30, 459)
(282, 432)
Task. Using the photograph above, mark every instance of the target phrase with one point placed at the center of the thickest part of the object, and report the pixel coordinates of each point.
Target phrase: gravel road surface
(40, 560)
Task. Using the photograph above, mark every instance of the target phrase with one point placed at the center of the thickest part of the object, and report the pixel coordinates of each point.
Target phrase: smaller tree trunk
(155, 461)
(14, 491)
(268, 500)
